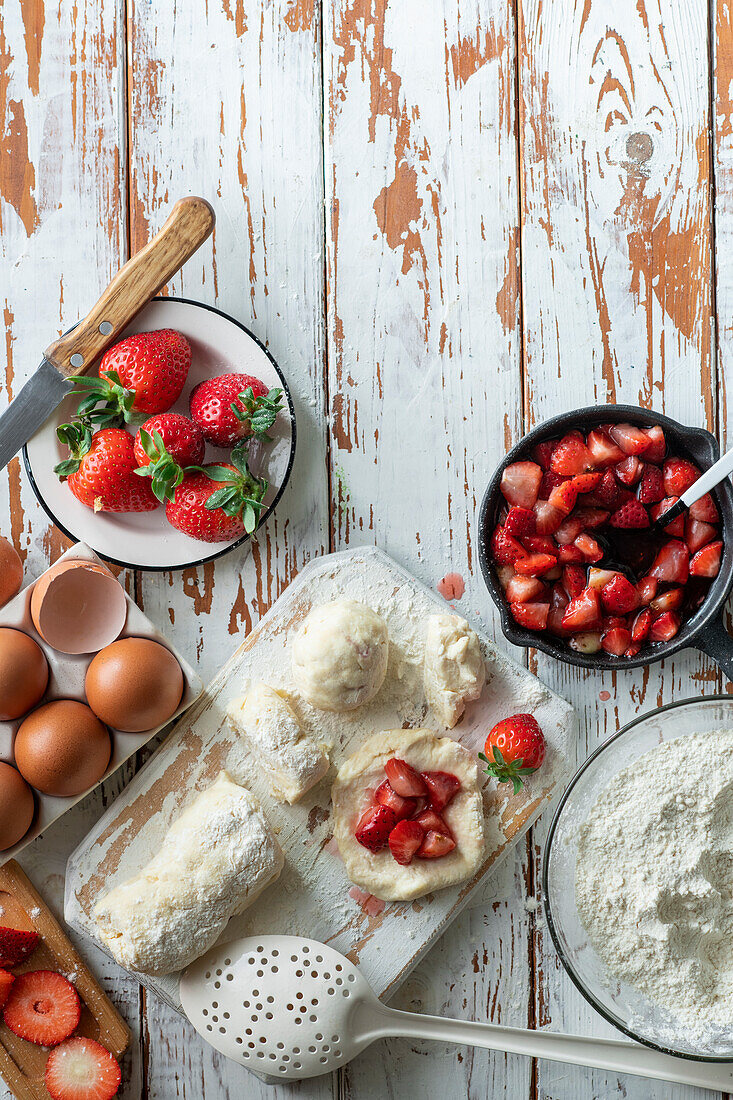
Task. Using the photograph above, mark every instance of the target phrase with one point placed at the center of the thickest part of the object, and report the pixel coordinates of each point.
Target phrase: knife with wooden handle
(189, 224)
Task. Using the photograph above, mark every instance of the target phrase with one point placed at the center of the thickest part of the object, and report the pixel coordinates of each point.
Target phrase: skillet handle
(716, 642)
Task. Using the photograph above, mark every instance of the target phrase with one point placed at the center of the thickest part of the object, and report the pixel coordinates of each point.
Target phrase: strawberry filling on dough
(398, 852)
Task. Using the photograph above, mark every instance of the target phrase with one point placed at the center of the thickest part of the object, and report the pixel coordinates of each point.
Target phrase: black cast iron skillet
(705, 629)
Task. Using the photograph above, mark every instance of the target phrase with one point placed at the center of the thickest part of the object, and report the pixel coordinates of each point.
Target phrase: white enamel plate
(145, 540)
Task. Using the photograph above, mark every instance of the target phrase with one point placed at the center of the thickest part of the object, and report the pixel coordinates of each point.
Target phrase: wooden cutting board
(313, 897)
(23, 1064)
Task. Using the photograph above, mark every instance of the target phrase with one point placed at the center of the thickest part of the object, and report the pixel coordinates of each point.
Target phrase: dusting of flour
(654, 880)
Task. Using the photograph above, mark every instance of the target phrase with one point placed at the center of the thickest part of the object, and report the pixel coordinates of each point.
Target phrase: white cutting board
(313, 897)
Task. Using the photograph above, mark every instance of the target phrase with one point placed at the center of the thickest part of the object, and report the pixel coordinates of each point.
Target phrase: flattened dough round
(357, 778)
(340, 655)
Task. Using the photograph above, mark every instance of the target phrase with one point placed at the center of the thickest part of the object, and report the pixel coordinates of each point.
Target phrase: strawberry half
(533, 616)
(374, 826)
(520, 521)
(520, 483)
(679, 474)
(505, 549)
(442, 788)
(604, 451)
(651, 486)
(631, 440)
(435, 845)
(16, 944)
(631, 516)
(43, 1007)
(571, 456)
(664, 628)
(524, 589)
(619, 596)
(706, 562)
(582, 612)
(429, 819)
(657, 448)
(677, 526)
(704, 509)
(671, 563)
(81, 1069)
(616, 640)
(535, 565)
(402, 807)
(404, 780)
(404, 841)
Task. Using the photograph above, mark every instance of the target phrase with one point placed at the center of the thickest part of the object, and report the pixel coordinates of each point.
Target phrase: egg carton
(66, 681)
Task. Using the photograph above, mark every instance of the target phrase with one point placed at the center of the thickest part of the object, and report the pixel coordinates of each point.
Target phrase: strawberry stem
(259, 413)
(166, 473)
(243, 493)
(506, 771)
(77, 436)
(106, 402)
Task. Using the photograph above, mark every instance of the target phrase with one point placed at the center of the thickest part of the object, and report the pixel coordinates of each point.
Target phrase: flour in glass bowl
(654, 879)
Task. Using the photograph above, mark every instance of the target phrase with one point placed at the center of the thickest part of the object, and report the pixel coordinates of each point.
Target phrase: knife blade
(189, 224)
(43, 392)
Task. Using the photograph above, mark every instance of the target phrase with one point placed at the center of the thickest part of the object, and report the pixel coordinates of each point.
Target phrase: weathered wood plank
(229, 105)
(616, 235)
(424, 393)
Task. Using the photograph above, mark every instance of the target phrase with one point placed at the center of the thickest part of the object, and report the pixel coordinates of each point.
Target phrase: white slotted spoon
(291, 1007)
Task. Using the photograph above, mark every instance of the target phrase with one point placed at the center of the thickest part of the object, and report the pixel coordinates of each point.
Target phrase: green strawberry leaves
(165, 472)
(259, 413)
(506, 771)
(106, 402)
(243, 493)
(77, 436)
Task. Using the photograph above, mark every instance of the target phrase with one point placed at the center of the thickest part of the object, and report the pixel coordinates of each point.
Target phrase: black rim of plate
(554, 931)
(195, 562)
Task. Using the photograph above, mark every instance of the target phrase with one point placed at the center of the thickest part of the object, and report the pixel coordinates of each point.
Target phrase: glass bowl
(627, 1008)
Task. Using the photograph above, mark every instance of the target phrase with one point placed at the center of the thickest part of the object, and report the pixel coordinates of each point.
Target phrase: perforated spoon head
(282, 1005)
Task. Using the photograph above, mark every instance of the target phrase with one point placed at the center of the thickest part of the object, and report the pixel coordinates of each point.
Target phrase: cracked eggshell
(78, 607)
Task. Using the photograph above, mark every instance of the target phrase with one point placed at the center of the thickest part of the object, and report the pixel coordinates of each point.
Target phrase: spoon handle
(610, 1054)
(709, 479)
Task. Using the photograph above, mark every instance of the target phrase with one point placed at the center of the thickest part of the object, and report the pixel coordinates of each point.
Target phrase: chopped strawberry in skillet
(590, 561)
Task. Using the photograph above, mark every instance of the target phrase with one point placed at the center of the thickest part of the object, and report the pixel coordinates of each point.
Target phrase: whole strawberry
(101, 469)
(144, 373)
(164, 446)
(514, 748)
(234, 407)
(203, 511)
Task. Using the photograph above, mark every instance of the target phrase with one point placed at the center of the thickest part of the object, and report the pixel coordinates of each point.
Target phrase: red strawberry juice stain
(452, 586)
(371, 905)
(604, 696)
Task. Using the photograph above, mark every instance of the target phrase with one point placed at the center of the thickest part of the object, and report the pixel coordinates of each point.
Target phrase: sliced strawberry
(616, 640)
(535, 565)
(619, 596)
(520, 483)
(520, 521)
(554, 621)
(651, 486)
(698, 533)
(563, 497)
(670, 600)
(647, 589)
(706, 562)
(533, 616)
(657, 448)
(542, 453)
(524, 589)
(574, 580)
(43, 1007)
(604, 451)
(504, 549)
(16, 944)
(568, 531)
(586, 642)
(677, 526)
(631, 440)
(571, 456)
(6, 981)
(629, 471)
(549, 482)
(435, 845)
(404, 841)
(81, 1069)
(588, 547)
(631, 515)
(442, 787)
(591, 517)
(403, 807)
(704, 509)
(538, 544)
(558, 596)
(568, 555)
(429, 819)
(598, 578)
(679, 474)
(641, 624)
(582, 612)
(505, 574)
(633, 649)
(548, 516)
(664, 627)
(607, 492)
(672, 563)
(586, 483)
(374, 826)
(403, 779)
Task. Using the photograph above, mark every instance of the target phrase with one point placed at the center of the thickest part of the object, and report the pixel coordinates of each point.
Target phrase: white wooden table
(447, 221)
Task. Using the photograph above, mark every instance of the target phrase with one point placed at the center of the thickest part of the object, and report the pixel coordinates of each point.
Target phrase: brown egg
(62, 748)
(23, 673)
(16, 806)
(78, 606)
(11, 571)
(134, 684)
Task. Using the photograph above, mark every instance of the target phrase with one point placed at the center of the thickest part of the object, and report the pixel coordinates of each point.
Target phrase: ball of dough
(340, 655)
